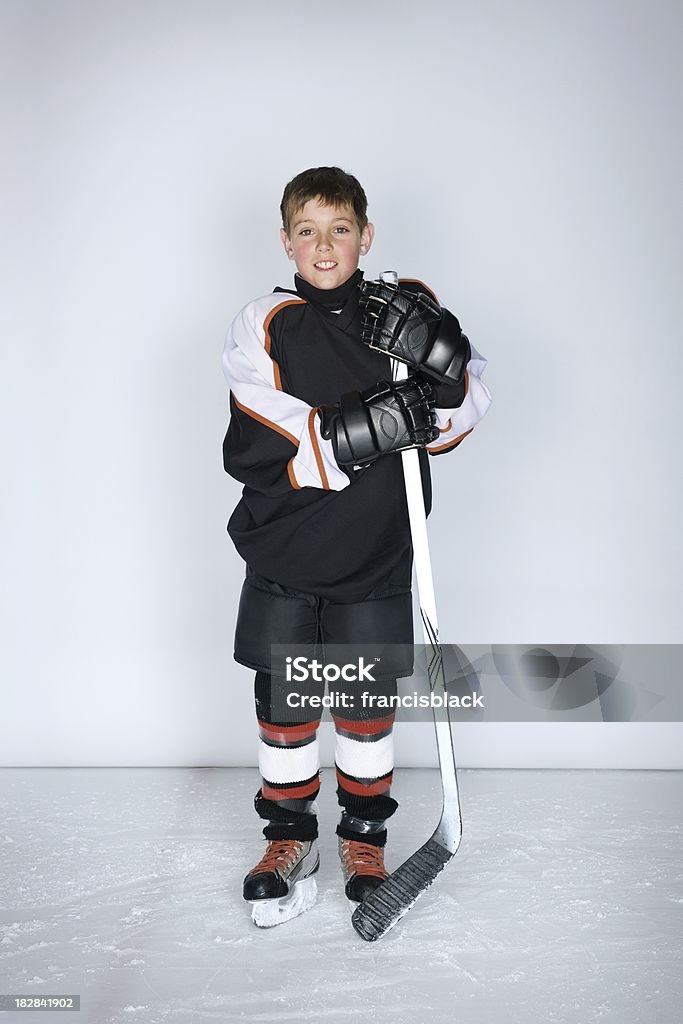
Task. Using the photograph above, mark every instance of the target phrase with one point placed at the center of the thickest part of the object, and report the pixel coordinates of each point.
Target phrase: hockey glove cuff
(389, 417)
(412, 327)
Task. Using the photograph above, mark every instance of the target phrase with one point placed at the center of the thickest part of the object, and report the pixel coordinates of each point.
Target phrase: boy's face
(326, 243)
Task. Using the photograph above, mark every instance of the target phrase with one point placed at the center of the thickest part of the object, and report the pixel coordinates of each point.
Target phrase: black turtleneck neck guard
(328, 298)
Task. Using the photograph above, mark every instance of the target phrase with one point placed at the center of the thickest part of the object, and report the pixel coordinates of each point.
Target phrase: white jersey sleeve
(273, 443)
(455, 424)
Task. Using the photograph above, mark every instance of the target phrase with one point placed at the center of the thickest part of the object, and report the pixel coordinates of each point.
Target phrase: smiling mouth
(325, 265)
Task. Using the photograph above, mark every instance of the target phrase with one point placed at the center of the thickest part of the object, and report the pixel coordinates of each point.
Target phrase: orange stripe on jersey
(449, 444)
(365, 788)
(267, 423)
(365, 728)
(443, 430)
(316, 449)
(293, 792)
(276, 309)
(292, 478)
(267, 338)
(415, 280)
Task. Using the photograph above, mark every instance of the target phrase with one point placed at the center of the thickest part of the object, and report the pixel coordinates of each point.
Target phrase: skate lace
(363, 858)
(281, 853)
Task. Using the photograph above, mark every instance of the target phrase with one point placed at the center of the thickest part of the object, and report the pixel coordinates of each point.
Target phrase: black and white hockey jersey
(302, 521)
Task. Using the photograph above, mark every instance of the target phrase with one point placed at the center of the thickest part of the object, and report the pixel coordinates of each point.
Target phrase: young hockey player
(316, 425)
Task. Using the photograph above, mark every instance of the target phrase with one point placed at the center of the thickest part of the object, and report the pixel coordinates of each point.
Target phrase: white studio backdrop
(523, 159)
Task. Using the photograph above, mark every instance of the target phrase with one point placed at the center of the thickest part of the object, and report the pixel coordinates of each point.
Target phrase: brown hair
(332, 185)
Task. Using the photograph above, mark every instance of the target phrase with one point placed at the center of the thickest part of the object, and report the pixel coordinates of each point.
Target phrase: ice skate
(362, 867)
(282, 885)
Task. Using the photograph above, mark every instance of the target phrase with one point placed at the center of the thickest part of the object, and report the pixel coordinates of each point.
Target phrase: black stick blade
(392, 899)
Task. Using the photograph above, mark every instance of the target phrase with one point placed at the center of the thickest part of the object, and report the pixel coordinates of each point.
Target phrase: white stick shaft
(450, 826)
(418, 528)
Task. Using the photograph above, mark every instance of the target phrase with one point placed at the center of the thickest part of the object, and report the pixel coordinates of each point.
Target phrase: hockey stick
(393, 898)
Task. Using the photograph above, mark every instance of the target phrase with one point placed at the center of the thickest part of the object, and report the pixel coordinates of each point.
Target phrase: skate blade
(268, 913)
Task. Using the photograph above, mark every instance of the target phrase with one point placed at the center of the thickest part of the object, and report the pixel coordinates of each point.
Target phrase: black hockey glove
(412, 327)
(388, 417)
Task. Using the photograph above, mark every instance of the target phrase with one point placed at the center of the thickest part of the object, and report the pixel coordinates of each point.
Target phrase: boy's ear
(366, 237)
(286, 243)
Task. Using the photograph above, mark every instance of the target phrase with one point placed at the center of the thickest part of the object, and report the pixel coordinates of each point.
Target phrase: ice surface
(564, 903)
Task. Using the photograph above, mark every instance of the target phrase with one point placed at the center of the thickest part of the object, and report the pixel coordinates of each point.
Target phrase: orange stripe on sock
(292, 792)
(365, 788)
(287, 733)
(364, 728)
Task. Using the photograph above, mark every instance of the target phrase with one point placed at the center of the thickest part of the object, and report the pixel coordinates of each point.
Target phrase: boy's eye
(340, 227)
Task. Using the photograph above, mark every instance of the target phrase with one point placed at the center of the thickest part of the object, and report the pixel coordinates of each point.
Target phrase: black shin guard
(364, 818)
(286, 822)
